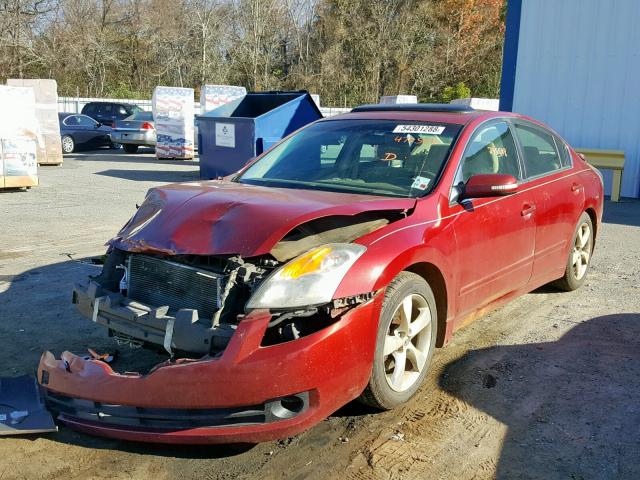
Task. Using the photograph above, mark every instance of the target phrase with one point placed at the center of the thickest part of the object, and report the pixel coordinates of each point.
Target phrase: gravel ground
(546, 387)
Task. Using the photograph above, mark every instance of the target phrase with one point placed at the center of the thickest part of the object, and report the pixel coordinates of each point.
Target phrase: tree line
(348, 51)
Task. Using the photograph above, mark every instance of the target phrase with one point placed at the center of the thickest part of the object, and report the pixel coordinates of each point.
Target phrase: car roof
(445, 113)
(111, 103)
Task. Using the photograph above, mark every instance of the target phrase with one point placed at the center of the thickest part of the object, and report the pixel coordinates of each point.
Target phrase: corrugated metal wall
(578, 69)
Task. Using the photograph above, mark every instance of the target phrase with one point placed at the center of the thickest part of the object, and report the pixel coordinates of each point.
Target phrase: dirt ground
(547, 387)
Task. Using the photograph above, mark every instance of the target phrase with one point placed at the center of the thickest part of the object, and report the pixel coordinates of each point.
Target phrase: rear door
(558, 194)
(494, 236)
(109, 114)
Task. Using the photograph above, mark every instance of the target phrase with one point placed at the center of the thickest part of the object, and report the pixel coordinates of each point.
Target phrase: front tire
(68, 145)
(405, 343)
(130, 148)
(579, 256)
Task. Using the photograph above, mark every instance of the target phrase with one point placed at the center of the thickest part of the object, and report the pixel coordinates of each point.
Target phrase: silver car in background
(137, 130)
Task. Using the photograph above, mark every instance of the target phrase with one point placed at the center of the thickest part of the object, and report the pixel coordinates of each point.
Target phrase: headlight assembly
(310, 279)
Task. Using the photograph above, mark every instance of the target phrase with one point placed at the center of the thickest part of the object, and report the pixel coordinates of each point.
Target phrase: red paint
(220, 217)
(488, 250)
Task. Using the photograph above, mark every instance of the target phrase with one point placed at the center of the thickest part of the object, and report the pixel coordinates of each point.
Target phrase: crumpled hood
(221, 217)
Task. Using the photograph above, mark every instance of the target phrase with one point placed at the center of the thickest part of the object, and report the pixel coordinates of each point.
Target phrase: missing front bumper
(138, 323)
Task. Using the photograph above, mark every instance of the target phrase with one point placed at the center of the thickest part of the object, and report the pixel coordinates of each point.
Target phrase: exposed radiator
(156, 282)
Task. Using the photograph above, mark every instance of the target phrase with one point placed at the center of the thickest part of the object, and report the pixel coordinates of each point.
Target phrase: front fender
(383, 260)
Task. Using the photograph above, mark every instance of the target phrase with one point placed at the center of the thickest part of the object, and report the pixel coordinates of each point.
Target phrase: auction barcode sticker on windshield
(432, 129)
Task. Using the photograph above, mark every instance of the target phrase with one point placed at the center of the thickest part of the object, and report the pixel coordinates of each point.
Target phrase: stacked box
(18, 138)
(173, 114)
(394, 99)
(213, 96)
(46, 93)
(492, 104)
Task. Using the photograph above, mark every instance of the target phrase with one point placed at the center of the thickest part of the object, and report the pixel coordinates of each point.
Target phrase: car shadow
(624, 212)
(164, 176)
(37, 315)
(572, 406)
(71, 437)
(144, 155)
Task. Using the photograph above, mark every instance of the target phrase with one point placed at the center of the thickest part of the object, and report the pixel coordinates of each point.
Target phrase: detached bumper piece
(21, 408)
(164, 420)
(248, 394)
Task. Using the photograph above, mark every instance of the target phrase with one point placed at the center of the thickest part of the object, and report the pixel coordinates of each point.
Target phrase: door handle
(527, 209)
(576, 187)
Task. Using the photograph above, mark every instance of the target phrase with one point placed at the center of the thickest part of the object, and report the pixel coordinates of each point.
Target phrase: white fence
(75, 104)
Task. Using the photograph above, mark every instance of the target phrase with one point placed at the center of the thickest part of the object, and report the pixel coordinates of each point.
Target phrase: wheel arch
(434, 277)
(594, 222)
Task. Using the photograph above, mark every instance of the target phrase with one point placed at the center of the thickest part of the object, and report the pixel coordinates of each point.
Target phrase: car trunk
(130, 125)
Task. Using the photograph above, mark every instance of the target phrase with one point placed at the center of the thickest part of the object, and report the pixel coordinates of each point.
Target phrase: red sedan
(328, 269)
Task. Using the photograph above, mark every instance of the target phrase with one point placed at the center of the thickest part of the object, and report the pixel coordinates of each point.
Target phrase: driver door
(495, 236)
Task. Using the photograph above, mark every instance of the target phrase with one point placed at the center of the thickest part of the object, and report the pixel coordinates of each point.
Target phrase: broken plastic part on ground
(22, 410)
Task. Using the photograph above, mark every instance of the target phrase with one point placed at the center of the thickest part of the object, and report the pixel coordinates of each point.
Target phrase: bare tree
(349, 51)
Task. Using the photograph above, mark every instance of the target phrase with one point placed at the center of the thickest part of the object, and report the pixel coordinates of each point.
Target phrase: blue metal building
(575, 65)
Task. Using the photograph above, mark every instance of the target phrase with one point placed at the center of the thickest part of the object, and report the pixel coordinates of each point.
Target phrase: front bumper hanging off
(248, 394)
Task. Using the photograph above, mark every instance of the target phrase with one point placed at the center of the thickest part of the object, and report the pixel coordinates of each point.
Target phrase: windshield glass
(377, 157)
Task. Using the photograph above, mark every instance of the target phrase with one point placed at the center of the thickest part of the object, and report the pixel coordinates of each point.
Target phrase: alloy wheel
(581, 251)
(407, 342)
(67, 144)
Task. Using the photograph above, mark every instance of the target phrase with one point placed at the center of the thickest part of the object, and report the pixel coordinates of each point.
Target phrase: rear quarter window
(565, 154)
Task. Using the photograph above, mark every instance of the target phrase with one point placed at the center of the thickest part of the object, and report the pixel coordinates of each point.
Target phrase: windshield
(377, 157)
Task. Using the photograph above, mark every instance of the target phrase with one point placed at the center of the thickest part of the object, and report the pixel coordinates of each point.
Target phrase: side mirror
(489, 185)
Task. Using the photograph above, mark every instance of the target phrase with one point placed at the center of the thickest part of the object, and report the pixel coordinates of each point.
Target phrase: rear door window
(79, 121)
(85, 121)
(540, 152)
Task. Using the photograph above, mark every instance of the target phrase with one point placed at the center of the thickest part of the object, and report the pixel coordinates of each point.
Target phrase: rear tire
(130, 148)
(407, 333)
(579, 256)
(68, 145)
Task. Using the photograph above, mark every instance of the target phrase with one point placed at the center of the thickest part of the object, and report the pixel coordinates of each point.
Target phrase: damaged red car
(328, 269)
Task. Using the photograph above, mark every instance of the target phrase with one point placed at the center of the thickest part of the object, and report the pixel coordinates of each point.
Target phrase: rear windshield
(141, 116)
(377, 157)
